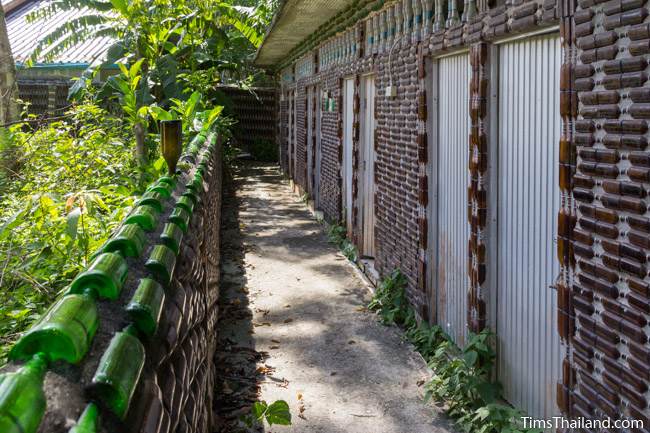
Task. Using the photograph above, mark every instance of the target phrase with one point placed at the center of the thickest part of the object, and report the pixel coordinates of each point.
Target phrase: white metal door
(310, 140)
(368, 167)
(290, 137)
(294, 154)
(348, 102)
(529, 356)
(449, 252)
(318, 149)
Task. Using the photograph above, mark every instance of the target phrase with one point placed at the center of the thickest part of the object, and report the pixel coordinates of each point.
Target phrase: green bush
(462, 379)
(264, 150)
(65, 188)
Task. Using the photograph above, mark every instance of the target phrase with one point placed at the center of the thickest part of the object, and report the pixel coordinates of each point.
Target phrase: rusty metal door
(528, 344)
(367, 168)
(348, 102)
(294, 154)
(449, 251)
(290, 137)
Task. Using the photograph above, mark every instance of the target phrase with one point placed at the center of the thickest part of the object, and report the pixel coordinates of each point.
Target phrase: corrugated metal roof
(294, 21)
(24, 36)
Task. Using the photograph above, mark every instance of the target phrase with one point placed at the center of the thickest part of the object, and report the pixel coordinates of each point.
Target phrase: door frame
(368, 190)
(431, 71)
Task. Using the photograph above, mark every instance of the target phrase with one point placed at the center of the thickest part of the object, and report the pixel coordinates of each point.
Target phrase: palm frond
(244, 24)
(73, 32)
(47, 10)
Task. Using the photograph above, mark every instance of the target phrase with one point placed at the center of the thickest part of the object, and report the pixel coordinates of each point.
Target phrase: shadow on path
(294, 324)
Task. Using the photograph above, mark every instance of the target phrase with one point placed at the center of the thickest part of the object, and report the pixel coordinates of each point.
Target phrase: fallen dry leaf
(274, 347)
(275, 341)
(289, 320)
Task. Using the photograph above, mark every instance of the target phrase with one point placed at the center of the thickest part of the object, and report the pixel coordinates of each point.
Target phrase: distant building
(45, 85)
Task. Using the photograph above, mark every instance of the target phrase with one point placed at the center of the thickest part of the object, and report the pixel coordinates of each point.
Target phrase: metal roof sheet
(24, 36)
(294, 21)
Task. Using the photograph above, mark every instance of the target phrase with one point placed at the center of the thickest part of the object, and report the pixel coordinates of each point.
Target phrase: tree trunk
(140, 146)
(8, 84)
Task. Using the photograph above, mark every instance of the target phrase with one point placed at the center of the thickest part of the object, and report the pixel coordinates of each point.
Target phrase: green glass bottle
(119, 372)
(63, 333)
(162, 188)
(180, 217)
(161, 263)
(144, 216)
(22, 400)
(168, 180)
(194, 186)
(196, 144)
(88, 422)
(186, 203)
(153, 199)
(106, 275)
(146, 305)
(128, 240)
(172, 236)
(211, 139)
(192, 196)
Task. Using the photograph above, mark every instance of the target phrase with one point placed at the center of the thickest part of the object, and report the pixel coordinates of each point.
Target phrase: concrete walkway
(294, 324)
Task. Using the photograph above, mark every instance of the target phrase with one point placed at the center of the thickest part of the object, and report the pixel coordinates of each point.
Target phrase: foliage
(337, 236)
(176, 39)
(390, 300)
(264, 150)
(66, 185)
(462, 379)
(70, 183)
(275, 413)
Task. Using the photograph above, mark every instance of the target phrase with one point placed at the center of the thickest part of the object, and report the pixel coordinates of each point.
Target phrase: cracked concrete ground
(294, 325)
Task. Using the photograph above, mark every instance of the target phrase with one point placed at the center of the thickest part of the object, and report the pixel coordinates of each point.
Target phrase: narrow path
(294, 325)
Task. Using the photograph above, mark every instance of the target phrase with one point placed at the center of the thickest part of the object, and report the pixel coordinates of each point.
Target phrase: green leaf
(470, 358)
(258, 409)
(121, 6)
(278, 413)
(159, 164)
(13, 221)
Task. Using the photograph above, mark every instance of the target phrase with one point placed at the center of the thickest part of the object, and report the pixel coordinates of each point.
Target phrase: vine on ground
(275, 413)
(462, 379)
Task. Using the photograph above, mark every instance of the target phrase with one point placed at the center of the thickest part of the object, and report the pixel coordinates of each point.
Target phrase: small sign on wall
(331, 105)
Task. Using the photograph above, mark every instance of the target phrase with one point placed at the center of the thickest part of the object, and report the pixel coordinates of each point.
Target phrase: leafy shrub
(76, 180)
(337, 235)
(462, 379)
(264, 150)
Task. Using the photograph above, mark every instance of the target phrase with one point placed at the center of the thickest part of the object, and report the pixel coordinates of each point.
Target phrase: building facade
(496, 153)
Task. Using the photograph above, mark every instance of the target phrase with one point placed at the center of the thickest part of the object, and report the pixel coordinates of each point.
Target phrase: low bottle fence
(130, 346)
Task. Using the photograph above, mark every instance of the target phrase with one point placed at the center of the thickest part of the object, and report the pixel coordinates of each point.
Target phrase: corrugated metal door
(348, 101)
(450, 251)
(318, 148)
(368, 167)
(290, 137)
(528, 203)
(310, 139)
(294, 155)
